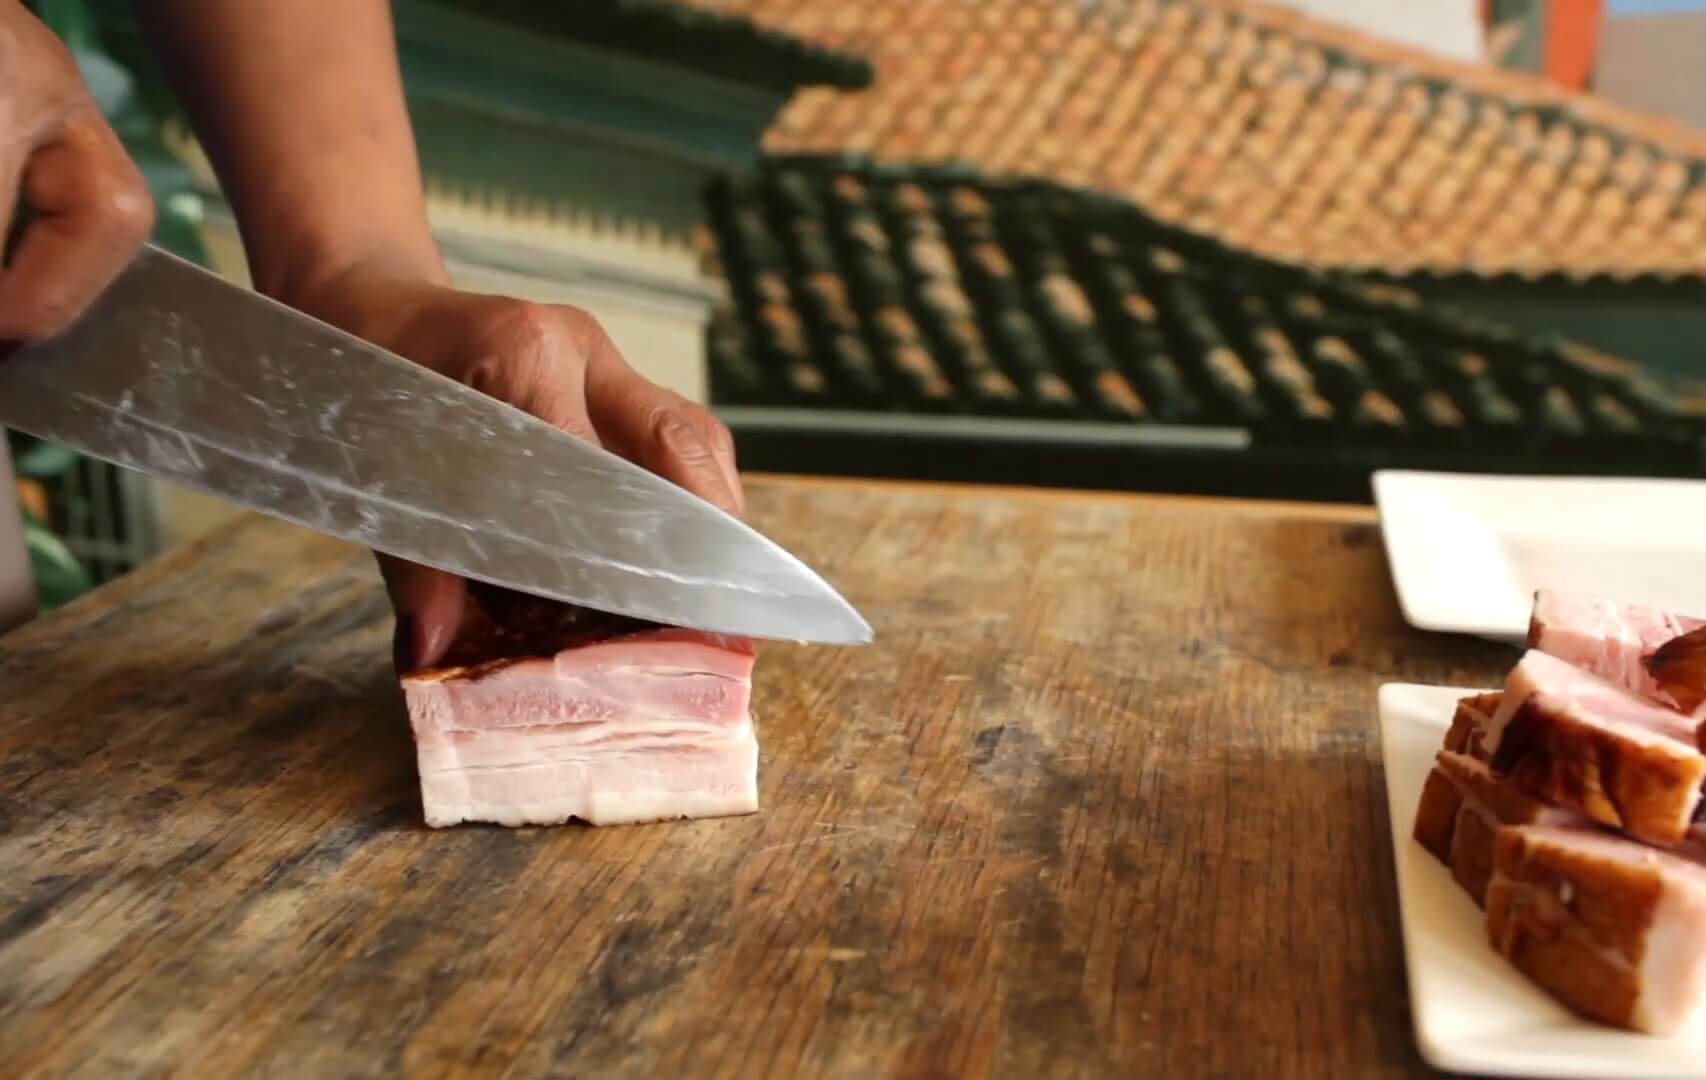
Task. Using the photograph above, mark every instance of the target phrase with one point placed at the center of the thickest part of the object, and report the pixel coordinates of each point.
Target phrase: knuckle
(674, 427)
(581, 326)
(518, 377)
(715, 430)
(722, 436)
(129, 208)
(591, 341)
(520, 328)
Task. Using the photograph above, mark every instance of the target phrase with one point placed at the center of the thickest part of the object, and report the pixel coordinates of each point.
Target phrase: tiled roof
(1278, 134)
(693, 36)
(933, 290)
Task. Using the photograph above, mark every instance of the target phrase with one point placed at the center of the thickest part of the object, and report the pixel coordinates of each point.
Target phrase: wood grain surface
(1104, 800)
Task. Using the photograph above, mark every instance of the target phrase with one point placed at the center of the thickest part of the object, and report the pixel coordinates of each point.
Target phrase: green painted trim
(1659, 326)
(578, 92)
(499, 162)
(684, 35)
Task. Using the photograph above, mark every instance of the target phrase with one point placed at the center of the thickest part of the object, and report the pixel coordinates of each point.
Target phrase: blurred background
(1253, 250)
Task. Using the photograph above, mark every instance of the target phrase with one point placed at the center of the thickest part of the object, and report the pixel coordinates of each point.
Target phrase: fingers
(89, 212)
(668, 435)
(656, 427)
(429, 606)
(531, 358)
(14, 151)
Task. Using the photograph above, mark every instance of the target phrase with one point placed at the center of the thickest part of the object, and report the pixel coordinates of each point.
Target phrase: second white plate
(1468, 551)
(1473, 1011)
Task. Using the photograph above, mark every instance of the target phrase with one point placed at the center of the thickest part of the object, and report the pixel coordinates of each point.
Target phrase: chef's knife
(178, 373)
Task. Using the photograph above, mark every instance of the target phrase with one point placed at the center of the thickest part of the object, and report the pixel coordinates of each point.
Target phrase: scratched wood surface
(1104, 800)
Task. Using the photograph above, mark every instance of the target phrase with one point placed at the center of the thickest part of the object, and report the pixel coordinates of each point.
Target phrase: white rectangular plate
(1474, 1012)
(1468, 551)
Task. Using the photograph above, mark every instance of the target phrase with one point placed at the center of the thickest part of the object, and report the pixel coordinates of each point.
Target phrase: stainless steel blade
(178, 373)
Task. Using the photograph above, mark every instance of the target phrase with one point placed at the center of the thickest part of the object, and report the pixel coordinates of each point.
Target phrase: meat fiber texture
(1611, 928)
(1618, 642)
(542, 713)
(1571, 738)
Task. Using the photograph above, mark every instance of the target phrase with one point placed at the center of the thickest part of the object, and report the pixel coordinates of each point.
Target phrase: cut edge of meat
(1678, 669)
(1607, 926)
(1463, 804)
(700, 783)
(1574, 739)
(543, 713)
(1469, 721)
(1619, 642)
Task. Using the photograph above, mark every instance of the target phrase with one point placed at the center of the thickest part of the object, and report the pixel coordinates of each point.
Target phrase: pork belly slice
(1463, 805)
(1613, 929)
(1619, 642)
(544, 715)
(1467, 734)
(1678, 667)
(1573, 739)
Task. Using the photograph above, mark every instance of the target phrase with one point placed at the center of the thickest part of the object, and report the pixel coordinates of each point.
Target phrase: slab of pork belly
(1616, 642)
(1463, 804)
(542, 714)
(1469, 722)
(1613, 929)
(1573, 739)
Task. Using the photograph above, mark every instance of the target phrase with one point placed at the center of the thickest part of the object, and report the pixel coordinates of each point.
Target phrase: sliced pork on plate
(1463, 805)
(544, 712)
(1567, 805)
(1469, 724)
(1678, 667)
(1571, 738)
(1611, 928)
(1623, 643)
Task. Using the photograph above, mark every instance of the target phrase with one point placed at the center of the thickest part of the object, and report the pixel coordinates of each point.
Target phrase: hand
(552, 361)
(85, 207)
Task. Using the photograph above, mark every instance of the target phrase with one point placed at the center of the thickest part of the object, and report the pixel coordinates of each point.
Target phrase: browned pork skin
(1469, 724)
(1678, 668)
(1609, 927)
(1462, 806)
(1575, 740)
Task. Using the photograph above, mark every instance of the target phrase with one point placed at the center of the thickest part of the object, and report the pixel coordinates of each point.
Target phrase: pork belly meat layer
(1618, 642)
(1469, 723)
(1611, 928)
(1463, 805)
(546, 713)
(1573, 739)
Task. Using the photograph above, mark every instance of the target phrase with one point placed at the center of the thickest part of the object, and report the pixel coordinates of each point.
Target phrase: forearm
(299, 105)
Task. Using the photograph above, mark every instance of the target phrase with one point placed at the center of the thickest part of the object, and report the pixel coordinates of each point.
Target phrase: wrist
(357, 286)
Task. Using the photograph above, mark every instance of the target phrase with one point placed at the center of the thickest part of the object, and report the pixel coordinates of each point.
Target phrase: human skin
(300, 108)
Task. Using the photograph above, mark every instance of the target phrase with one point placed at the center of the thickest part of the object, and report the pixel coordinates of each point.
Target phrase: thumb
(429, 607)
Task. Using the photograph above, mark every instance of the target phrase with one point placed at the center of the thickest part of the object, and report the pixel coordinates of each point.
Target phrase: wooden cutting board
(1103, 800)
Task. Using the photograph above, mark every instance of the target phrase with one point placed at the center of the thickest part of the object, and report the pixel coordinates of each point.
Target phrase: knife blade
(177, 373)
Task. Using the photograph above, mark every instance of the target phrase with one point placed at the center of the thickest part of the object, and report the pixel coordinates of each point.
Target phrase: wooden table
(1105, 799)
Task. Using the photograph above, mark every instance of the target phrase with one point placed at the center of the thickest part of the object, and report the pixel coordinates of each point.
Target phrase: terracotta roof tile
(935, 290)
(1299, 140)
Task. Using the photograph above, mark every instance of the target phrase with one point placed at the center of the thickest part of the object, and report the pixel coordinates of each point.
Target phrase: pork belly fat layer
(1611, 640)
(1609, 927)
(1573, 739)
(658, 782)
(647, 725)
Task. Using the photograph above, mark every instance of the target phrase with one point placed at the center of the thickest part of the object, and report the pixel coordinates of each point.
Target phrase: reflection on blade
(180, 374)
